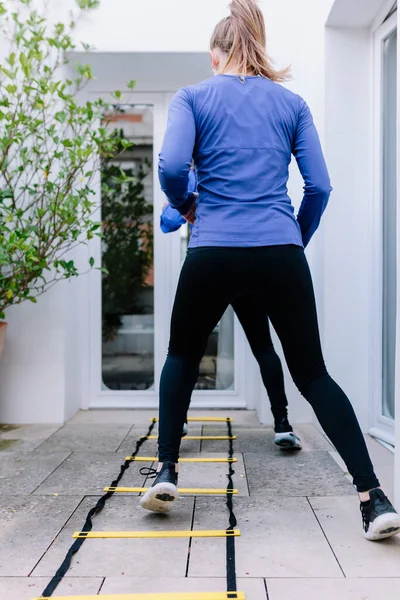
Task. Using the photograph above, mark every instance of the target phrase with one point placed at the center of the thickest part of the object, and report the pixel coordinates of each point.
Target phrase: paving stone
(150, 447)
(213, 475)
(26, 588)
(88, 473)
(88, 438)
(280, 537)
(261, 439)
(23, 473)
(25, 438)
(341, 522)
(28, 525)
(115, 557)
(334, 589)
(254, 589)
(106, 417)
(296, 474)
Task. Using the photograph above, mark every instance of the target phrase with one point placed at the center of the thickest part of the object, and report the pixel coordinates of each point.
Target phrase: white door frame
(381, 426)
(166, 272)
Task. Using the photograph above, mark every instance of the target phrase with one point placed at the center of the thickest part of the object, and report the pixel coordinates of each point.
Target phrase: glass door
(131, 304)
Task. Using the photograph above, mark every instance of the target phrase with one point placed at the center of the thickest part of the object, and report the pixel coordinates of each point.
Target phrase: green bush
(51, 147)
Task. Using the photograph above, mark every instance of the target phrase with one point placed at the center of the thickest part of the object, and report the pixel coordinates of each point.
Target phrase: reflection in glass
(217, 368)
(389, 218)
(127, 255)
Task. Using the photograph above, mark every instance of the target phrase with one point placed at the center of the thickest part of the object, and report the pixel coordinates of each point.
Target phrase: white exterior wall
(48, 381)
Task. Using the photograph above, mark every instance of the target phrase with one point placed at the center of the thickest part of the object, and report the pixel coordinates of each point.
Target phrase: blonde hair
(242, 36)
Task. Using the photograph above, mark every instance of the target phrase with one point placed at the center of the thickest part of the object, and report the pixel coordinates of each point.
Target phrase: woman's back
(242, 133)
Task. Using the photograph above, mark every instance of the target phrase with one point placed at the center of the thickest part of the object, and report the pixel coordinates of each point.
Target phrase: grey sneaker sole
(160, 498)
(383, 527)
(287, 441)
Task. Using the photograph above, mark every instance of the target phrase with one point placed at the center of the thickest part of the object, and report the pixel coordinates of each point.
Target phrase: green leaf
(132, 84)
(61, 116)
(103, 270)
(67, 143)
(2, 12)
(117, 94)
(32, 299)
(9, 294)
(11, 88)
(91, 261)
(11, 59)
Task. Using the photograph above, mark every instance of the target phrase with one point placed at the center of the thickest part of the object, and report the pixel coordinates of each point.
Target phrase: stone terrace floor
(301, 534)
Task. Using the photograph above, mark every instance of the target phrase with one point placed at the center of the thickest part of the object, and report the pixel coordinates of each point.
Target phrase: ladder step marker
(191, 491)
(103, 535)
(200, 437)
(202, 420)
(182, 460)
(170, 596)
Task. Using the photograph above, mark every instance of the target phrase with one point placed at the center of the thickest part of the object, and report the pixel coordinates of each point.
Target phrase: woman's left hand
(191, 215)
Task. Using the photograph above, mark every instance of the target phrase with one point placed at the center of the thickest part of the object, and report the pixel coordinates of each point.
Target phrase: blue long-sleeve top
(242, 135)
(171, 219)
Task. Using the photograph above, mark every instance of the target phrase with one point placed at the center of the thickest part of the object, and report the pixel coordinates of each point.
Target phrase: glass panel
(389, 216)
(127, 254)
(217, 368)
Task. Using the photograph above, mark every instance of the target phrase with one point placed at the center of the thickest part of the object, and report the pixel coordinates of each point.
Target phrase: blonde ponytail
(242, 37)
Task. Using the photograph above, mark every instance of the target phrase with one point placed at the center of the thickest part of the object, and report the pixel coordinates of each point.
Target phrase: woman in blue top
(256, 327)
(242, 129)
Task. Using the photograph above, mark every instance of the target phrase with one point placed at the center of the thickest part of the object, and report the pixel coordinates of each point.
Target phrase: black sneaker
(185, 429)
(164, 491)
(285, 437)
(380, 519)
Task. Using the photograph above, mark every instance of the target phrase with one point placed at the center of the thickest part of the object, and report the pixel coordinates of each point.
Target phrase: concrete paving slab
(24, 438)
(261, 439)
(150, 447)
(295, 474)
(23, 473)
(116, 557)
(213, 475)
(28, 525)
(26, 588)
(142, 417)
(87, 473)
(280, 537)
(254, 589)
(341, 522)
(334, 589)
(87, 438)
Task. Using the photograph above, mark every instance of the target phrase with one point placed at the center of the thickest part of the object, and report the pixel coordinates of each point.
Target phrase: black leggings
(251, 313)
(278, 277)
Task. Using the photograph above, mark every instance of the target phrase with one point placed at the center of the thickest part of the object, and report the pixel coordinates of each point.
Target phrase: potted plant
(51, 146)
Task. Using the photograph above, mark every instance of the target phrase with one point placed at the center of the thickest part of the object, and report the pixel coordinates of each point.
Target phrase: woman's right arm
(317, 187)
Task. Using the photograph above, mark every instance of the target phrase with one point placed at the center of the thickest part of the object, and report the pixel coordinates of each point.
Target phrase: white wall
(50, 384)
(347, 294)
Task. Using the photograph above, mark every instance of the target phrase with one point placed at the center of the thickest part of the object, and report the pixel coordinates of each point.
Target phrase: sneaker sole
(160, 498)
(287, 441)
(384, 526)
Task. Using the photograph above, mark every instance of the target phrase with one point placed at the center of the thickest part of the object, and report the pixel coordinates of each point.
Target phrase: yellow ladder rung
(155, 534)
(203, 420)
(200, 437)
(183, 460)
(170, 596)
(194, 491)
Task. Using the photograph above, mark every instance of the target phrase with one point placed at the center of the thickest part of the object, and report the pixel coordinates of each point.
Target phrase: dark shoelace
(148, 472)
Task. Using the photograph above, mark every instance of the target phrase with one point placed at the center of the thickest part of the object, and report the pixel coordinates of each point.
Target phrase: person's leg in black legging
(284, 280)
(254, 320)
(200, 302)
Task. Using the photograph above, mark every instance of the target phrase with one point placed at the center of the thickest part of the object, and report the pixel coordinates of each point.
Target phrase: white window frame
(167, 264)
(381, 427)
